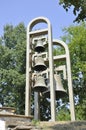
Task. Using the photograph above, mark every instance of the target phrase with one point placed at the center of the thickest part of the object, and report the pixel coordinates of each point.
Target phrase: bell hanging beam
(31, 33)
(66, 57)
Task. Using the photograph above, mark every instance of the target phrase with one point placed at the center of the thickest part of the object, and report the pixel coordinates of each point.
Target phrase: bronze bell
(39, 64)
(60, 92)
(40, 85)
(39, 46)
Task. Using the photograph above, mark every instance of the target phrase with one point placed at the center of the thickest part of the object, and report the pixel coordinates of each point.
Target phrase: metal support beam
(50, 59)
(70, 87)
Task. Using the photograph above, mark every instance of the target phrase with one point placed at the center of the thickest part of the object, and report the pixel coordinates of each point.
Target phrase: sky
(16, 11)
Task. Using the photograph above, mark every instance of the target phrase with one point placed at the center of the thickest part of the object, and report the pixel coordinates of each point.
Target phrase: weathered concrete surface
(68, 125)
(13, 121)
(18, 122)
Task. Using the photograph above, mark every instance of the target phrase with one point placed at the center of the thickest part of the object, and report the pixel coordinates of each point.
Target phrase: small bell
(40, 85)
(39, 64)
(39, 46)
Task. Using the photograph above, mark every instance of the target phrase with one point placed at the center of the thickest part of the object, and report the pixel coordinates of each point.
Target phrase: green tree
(75, 37)
(12, 71)
(63, 114)
(79, 8)
(12, 67)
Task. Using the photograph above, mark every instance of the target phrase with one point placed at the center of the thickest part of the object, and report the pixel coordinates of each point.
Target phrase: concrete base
(63, 125)
(12, 121)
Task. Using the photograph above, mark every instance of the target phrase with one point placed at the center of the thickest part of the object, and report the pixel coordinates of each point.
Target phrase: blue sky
(16, 11)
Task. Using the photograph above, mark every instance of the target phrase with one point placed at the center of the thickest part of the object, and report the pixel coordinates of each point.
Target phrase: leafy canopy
(12, 67)
(79, 8)
(12, 71)
(75, 37)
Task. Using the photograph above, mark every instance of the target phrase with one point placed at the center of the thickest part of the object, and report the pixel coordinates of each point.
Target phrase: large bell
(39, 64)
(39, 46)
(40, 85)
(60, 92)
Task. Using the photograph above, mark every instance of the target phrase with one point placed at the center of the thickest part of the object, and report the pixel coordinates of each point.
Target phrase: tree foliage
(12, 71)
(79, 8)
(63, 114)
(12, 67)
(75, 36)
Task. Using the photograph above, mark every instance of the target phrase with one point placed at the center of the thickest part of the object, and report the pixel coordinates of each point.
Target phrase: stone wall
(76, 125)
(68, 125)
(18, 122)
